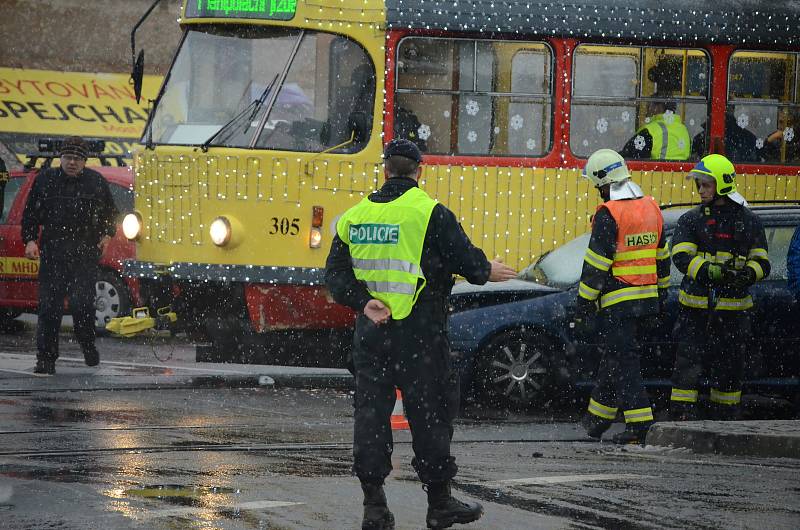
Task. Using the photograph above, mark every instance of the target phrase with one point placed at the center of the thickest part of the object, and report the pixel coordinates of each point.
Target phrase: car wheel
(111, 299)
(521, 369)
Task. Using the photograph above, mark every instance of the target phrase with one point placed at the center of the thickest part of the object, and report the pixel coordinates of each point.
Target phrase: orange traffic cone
(398, 420)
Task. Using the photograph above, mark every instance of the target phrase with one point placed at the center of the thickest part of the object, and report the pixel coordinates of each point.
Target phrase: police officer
(721, 248)
(76, 213)
(393, 261)
(625, 275)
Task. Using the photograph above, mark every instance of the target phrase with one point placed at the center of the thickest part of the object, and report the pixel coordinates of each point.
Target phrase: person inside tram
(774, 142)
(741, 145)
(663, 136)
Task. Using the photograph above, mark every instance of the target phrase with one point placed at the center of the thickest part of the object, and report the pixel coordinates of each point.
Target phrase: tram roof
(695, 21)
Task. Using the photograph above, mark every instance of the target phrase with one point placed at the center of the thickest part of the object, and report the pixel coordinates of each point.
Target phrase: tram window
(763, 113)
(646, 103)
(220, 75)
(474, 97)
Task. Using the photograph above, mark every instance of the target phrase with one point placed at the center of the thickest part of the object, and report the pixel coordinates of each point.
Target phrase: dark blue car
(516, 343)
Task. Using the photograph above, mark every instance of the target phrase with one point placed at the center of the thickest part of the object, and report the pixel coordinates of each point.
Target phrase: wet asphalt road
(271, 458)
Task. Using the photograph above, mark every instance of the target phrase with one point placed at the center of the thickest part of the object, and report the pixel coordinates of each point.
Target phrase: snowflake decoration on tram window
(701, 75)
(669, 116)
(625, 116)
(647, 119)
(743, 120)
(788, 134)
(768, 120)
(639, 142)
(446, 114)
(691, 122)
(517, 122)
(472, 136)
(759, 143)
(531, 144)
(424, 131)
(472, 107)
(497, 130)
(601, 125)
(585, 142)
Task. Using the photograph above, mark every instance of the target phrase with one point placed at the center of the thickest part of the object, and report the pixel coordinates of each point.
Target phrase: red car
(19, 284)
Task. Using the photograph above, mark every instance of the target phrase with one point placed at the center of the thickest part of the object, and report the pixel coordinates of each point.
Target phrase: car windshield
(560, 268)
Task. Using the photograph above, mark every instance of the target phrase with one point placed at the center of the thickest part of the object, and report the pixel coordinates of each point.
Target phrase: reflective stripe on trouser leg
(639, 415)
(598, 409)
(680, 394)
(726, 398)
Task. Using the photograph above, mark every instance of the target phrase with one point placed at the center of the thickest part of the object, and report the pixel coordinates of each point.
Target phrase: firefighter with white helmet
(625, 276)
(721, 248)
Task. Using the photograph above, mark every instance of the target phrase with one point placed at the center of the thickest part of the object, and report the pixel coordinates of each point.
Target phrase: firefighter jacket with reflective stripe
(730, 234)
(626, 267)
(385, 241)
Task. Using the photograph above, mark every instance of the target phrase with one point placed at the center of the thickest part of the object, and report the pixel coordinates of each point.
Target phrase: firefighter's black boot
(376, 514)
(633, 434)
(595, 425)
(444, 510)
(682, 411)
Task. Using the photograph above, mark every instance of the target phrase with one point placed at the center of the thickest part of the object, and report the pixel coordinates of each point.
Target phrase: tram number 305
(284, 226)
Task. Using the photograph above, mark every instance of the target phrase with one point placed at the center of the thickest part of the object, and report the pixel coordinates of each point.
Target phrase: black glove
(584, 320)
(742, 279)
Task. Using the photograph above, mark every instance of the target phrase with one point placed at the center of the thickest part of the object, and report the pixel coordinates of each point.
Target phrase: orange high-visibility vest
(639, 227)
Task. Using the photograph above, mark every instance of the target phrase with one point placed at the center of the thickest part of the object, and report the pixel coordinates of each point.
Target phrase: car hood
(468, 296)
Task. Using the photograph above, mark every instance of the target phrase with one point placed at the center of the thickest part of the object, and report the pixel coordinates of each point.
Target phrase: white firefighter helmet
(606, 166)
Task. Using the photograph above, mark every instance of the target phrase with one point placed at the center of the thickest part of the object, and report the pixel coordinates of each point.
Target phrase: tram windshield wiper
(254, 107)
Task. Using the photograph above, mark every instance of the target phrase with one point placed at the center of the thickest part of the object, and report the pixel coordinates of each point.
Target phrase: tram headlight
(220, 231)
(132, 226)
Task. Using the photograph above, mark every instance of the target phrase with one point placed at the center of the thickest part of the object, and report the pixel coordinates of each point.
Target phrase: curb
(765, 439)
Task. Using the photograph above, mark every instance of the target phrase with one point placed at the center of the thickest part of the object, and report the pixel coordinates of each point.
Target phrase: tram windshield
(270, 88)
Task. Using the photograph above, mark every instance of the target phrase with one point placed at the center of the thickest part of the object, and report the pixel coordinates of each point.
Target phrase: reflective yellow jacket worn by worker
(385, 241)
(671, 139)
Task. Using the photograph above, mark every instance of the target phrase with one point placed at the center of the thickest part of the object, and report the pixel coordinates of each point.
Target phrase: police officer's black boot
(595, 425)
(91, 356)
(633, 434)
(376, 513)
(45, 366)
(444, 510)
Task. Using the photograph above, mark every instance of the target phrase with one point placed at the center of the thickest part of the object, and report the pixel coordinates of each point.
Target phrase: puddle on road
(180, 495)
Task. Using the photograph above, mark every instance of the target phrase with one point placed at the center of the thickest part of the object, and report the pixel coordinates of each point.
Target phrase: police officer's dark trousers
(413, 355)
(66, 270)
(619, 376)
(718, 341)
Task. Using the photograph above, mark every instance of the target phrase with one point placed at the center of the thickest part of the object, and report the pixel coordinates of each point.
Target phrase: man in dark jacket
(624, 278)
(393, 261)
(76, 213)
(721, 248)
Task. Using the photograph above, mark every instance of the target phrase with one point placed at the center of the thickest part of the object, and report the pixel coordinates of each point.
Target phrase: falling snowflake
(669, 116)
(788, 134)
(424, 132)
(446, 114)
(625, 116)
(681, 143)
(743, 120)
(472, 136)
(639, 142)
(759, 143)
(517, 122)
(497, 130)
(472, 107)
(531, 144)
(601, 125)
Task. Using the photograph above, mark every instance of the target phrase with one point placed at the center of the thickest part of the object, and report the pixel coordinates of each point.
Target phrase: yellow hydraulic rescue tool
(141, 321)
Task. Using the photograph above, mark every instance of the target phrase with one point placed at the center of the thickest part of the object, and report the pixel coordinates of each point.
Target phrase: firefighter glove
(719, 274)
(743, 278)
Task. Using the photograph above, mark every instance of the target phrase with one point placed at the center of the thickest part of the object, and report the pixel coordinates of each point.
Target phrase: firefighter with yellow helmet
(721, 249)
(624, 279)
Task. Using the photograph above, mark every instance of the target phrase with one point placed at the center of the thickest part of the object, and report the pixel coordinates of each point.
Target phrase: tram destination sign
(261, 9)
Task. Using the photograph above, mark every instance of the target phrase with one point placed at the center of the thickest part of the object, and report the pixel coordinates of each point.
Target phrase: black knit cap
(403, 147)
(76, 146)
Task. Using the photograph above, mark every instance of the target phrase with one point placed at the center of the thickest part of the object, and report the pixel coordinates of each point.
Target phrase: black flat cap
(403, 147)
